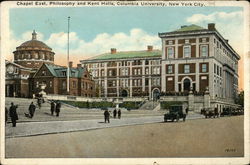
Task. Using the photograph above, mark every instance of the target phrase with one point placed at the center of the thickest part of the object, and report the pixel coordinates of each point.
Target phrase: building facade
(54, 78)
(33, 53)
(126, 74)
(16, 80)
(196, 66)
(33, 67)
(195, 58)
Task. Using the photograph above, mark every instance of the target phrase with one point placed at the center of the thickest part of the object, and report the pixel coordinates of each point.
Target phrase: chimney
(113, 50)
(70, 64)
(150, 48)
(79, 65)
(211, 26)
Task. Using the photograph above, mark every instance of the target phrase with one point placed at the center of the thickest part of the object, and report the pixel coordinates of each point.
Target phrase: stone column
(206, 99)
(191, 101)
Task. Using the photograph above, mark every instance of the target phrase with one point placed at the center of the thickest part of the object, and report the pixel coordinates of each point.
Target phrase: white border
(5, 6)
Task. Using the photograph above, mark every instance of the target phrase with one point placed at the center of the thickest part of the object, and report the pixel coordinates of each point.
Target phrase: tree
(240, 99)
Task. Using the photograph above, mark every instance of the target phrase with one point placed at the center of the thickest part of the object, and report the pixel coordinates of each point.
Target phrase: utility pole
(68, 59)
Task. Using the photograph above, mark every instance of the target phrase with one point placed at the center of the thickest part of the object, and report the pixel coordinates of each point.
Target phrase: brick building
(126, 74)
(54, 77)
(193, 58)
(197, 58)
(33, 66)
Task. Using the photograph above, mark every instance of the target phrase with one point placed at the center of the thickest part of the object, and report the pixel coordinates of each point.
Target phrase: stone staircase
(149, 105)
(69, 112)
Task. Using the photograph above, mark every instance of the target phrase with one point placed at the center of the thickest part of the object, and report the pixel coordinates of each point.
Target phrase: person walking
(106, 116)
(13, 114)
(32, 109)
(58, 107)
(119, 113)
(39, 102)
(114, 113)
(52, 107)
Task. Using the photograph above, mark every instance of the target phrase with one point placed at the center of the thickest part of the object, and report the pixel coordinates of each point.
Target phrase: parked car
(210, 112)
(175, 113)
(226, 111)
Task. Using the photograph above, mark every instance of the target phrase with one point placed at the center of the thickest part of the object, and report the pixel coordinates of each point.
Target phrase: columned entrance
(187, 84)
(156, 94)
(124, 93)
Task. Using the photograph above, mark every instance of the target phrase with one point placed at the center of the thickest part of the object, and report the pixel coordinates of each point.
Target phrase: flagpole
(68, 59)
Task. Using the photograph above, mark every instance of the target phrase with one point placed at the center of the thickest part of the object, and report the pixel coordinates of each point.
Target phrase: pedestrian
(52, 107)
(6, 115)
(106, 116)
(39, 101)
(114, 113)
(58, 107)
(119, 113)
(32, 109)
(13, 114)
(187, 111)
(184, 113)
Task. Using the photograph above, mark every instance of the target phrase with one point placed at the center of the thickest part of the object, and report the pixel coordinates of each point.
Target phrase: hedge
(167, 104)
(103, 104)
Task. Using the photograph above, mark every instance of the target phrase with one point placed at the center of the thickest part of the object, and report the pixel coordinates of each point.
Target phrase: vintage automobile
(226, 112)
(210, 112)
(175, 113)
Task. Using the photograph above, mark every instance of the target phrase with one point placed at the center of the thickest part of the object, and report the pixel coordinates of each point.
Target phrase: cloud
(229, 24)
(223, 16)
(136, 39)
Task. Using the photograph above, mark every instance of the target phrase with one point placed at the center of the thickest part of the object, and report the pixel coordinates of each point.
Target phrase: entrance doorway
(187, 84)
(10, 90)
(156, 94)
(124, 93)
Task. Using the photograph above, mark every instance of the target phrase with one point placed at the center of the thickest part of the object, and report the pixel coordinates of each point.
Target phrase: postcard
(124, 82)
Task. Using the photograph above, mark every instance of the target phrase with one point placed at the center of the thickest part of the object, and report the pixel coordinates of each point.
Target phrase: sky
(94, 30)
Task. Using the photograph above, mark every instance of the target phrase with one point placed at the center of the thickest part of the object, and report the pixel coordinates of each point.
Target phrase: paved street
(39, 128)
(74, 119)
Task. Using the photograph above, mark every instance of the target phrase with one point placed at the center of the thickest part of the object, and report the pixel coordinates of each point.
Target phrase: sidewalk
(52, 127)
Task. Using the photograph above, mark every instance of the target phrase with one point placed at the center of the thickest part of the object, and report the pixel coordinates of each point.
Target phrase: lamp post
(68, 59)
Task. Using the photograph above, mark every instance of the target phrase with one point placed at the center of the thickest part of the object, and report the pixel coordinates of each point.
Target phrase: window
(37, 84)
(50, 84)
(217, 70)
(135, 71)
(74, 84)
(170, 69)
(139, 71)
(214, 68)
(187, 51)
(203, 68)
(110, 72)
(113, 83)
(102, 72)
(64, 73)
(170, 42)
(64, 85)
(186, 41)
(204, 51)
(146, 71)
(146, 82)
(170, 52)
(186, 68)
(146, 62)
